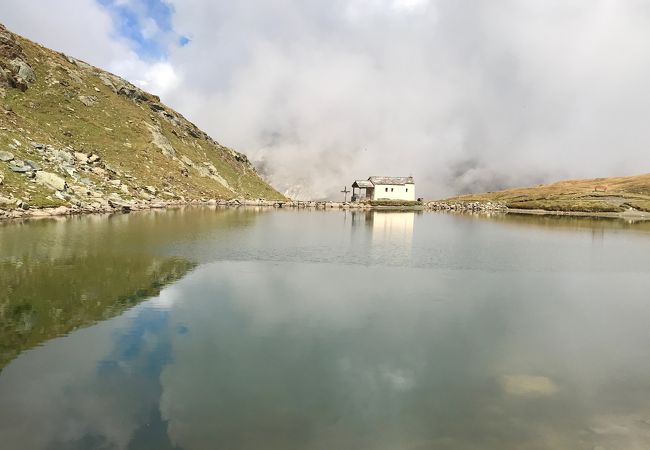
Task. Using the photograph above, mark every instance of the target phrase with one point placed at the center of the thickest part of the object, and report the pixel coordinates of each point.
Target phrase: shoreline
(436, 206)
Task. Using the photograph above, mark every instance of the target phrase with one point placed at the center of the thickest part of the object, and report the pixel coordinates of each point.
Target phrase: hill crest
(77, 136)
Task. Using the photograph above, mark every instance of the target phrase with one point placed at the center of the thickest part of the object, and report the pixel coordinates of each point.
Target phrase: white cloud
(461, 94)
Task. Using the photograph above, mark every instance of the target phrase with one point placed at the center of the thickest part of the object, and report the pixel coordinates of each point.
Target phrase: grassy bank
(599, 195)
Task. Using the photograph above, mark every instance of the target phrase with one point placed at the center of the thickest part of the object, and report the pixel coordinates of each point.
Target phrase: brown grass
(622, 194)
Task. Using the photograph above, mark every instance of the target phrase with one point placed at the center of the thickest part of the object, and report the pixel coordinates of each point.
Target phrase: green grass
(51, 113)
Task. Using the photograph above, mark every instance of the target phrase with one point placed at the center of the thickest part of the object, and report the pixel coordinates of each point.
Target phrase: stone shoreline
(433, 206)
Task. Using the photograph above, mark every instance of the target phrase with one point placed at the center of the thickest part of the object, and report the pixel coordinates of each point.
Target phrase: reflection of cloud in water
(98, 387)
(279, 359)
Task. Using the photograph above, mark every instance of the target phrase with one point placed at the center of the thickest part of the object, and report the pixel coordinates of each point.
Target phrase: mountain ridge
(77, 136)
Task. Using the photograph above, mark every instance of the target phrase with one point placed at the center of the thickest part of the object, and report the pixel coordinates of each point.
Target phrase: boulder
(63, 156)
(6, 156)
(81, 157)
(88, 100)
(151, 190)
(60, 211)
(161, 141)
(93, 158)
(5, 78)
(24, 75)
(51, 180)
(19, 166)
(34, 165)
(61, 196)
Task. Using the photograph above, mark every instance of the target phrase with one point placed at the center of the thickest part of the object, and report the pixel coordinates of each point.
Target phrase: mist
(463, 95)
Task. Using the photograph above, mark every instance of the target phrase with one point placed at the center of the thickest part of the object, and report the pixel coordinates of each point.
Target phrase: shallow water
(250, 328)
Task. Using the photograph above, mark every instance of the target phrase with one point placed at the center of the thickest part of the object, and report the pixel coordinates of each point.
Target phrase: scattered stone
(24, 75)
(88, 100)
(461, 206)
(34, 165)
(62, 196)
(115, 183)
(112, 170)
(63, 156)
(38, 146)
(125, 189)
(70, 170)
(51, 180)
(60, 211)
(19, 166)
(6, 201)
(6, 156)
(187, 160)
(203, 171)
(99, 171)
(151, 190)
(125, 207)
(93, 158)
(81, 157)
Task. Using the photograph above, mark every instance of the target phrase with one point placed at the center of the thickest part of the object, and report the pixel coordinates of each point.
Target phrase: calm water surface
(262, 329)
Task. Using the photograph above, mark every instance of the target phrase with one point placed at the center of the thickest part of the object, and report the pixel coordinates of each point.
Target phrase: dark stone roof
(400, 181)
(362, 184)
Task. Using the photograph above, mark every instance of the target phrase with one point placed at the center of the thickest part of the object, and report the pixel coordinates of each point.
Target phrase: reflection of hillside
(558, 223)
(61, 274)
(46, 301)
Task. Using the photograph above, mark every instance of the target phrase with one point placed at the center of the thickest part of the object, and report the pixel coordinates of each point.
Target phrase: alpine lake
(254, 328)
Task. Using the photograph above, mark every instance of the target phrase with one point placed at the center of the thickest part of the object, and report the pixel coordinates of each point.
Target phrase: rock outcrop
(75, 136)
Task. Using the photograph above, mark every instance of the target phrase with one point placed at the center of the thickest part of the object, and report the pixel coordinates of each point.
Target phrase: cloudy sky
(462, 94)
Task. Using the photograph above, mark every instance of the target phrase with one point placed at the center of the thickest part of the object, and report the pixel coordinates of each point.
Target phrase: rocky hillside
(77, 137)
(599, 195)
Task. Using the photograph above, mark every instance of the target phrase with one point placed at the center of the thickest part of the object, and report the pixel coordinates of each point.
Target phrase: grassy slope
(50, 112)
(622, 194)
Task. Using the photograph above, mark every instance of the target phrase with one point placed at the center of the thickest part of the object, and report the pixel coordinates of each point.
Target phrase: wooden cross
(345, 192)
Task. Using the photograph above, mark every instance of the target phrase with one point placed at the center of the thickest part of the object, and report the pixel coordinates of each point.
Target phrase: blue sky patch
(183, 41)
(146, 24)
